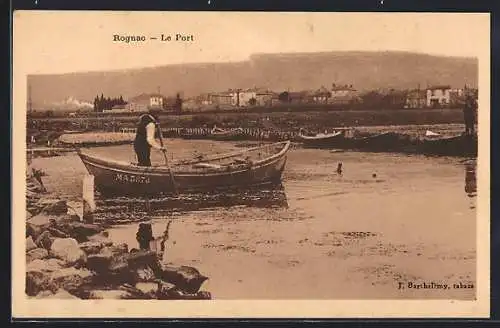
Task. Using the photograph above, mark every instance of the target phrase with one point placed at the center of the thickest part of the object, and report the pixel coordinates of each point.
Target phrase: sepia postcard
(250, 165)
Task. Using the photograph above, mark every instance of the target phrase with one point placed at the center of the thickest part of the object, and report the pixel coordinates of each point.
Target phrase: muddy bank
(447, 141)
(69, 258)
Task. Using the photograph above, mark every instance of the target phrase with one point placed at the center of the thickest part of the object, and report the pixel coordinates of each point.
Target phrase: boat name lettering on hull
(130, 178)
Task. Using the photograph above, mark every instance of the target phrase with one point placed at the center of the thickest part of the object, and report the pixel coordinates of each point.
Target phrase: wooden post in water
(88, 199)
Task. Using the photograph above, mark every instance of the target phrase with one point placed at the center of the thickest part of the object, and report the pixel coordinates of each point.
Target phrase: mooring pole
(89, 206)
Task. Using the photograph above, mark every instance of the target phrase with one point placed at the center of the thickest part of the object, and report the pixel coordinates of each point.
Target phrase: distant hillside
(365, 70)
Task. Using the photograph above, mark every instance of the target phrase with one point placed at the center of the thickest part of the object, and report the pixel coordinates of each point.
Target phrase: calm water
(387, 219)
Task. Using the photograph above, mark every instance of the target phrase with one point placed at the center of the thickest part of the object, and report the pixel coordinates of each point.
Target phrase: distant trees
(384, 100)
(101, 103)
(252, 101)
(284, 97)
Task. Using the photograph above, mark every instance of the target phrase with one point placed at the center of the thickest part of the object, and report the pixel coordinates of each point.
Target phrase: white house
(243, 98)
(143, 102)
(438, 95)
(156, 101)
(344, 93)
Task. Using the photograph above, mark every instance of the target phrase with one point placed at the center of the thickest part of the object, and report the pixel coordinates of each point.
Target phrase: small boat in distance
(323, 140)
(251, 167)
(384, 142)
(221, 134)
(461, 145)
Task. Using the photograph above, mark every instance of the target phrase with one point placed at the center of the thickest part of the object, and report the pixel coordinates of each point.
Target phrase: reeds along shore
(68, 258)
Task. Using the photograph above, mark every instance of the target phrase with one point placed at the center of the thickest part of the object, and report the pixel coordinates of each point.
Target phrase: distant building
(264, 97)
(416, 99)
(203, 99)
(222, 99)
(144, 102)
(117, 109)
(275, 99)
(321, 96)
(438, 96)
(299, 97)
(457, 97)
(244, 98)
(343, 94)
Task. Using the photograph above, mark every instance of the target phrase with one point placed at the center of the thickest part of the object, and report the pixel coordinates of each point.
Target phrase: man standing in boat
(145, 137)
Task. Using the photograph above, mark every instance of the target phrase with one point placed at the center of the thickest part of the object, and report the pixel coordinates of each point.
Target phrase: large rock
(71, 279)
(144, 259)
(37, 281)
(36, 254)
(150, 289)
(56, 231)
(145, 275)
(67, 249)
(37, 224)
(102, 237)
(111, 268)
(30, 244)
(57, 207)
(166, 290)
(99, 263)
(114, 250)
(82, 231)
(109, 259)
(185, 278)
(47, 265)
(45, 240)
(38, 275)
(91, 247)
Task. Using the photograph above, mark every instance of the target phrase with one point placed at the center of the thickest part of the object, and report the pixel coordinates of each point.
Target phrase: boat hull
(231, 135)
(120, 180)
(454, 146)
(332, 141)
(384, 142)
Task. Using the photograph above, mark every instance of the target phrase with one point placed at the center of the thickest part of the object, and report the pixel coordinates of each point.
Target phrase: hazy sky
(60, 42)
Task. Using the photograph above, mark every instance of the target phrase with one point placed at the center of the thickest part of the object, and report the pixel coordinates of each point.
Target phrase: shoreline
(69, 258)
(409, 139)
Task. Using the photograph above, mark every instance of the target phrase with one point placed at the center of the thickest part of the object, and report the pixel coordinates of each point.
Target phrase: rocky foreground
(68, 258)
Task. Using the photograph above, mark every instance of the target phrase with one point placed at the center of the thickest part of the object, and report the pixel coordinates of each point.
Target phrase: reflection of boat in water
(323, 140)
(260, 166)
(271, 197)
(470, 179)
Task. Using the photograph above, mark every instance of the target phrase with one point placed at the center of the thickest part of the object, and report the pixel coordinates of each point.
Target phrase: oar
(166, 160)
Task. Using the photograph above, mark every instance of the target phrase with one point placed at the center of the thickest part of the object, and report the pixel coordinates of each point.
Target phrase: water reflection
(470, 180)
(264, 198)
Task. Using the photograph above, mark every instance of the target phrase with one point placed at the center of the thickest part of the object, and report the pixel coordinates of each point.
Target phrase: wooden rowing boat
(252, 167)
(385, 142)
(461, 145)
(323, 140)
